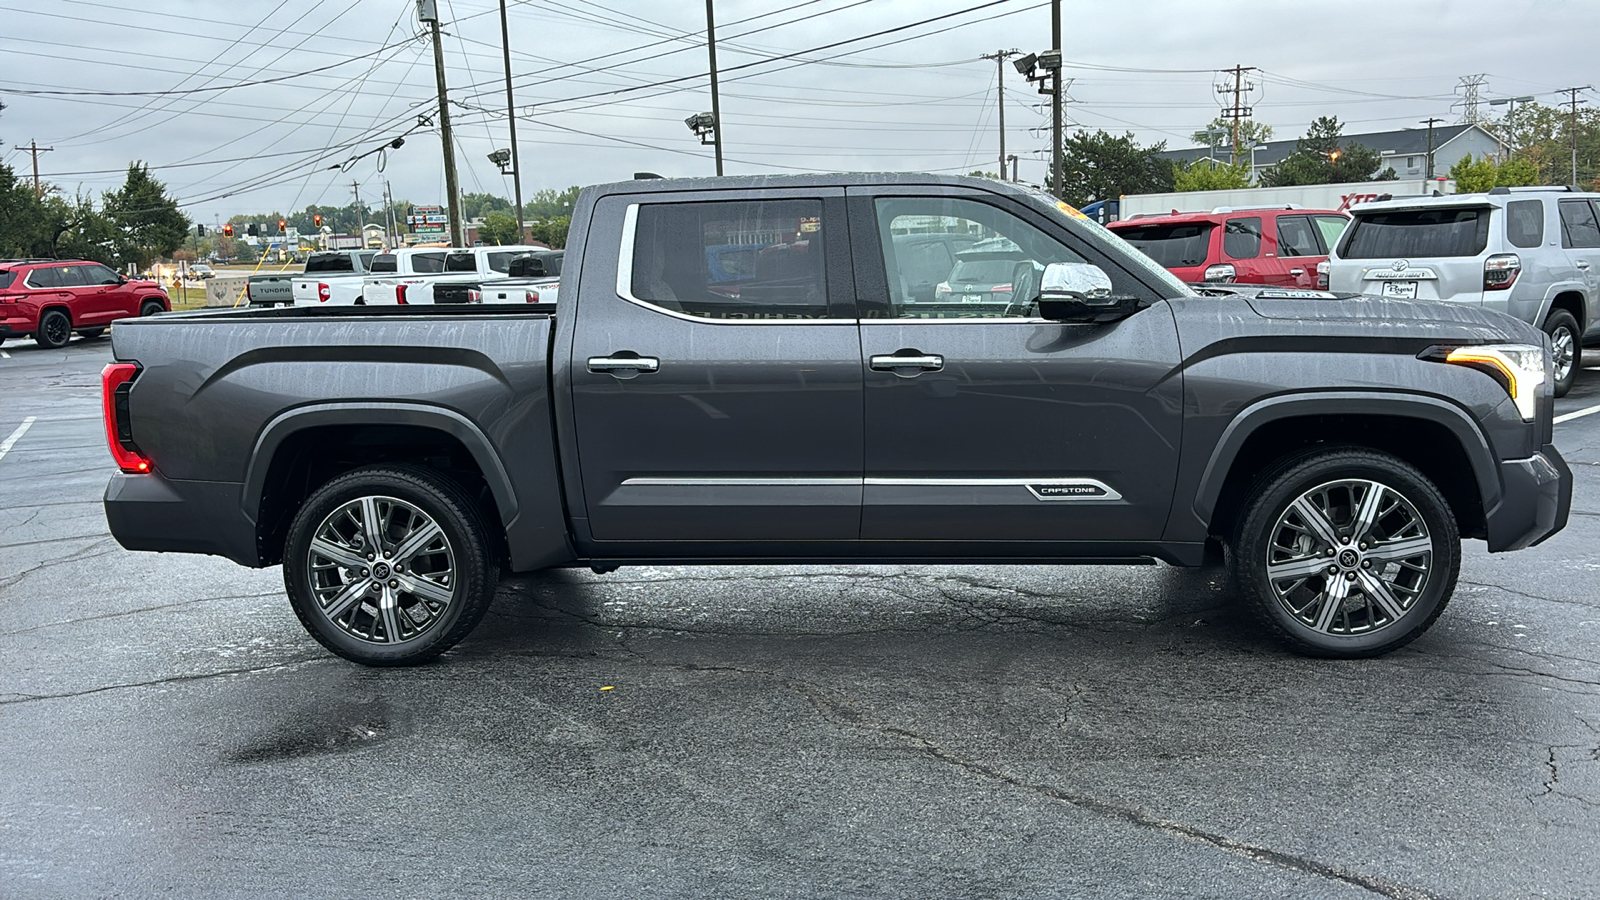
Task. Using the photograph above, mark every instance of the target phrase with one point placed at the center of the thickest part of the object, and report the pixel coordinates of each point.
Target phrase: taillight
(1322, 275)
(1000, 289)
(533, 296)
(474, 295)
(400, 294)
(943, 288)
(1220, 273)
(1500, 271)
(116, 380)
(323, 293)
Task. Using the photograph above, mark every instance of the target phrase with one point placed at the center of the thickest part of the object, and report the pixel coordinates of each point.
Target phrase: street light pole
(1055, 99)
(716, 106)
(1572, 94)
(511, 118)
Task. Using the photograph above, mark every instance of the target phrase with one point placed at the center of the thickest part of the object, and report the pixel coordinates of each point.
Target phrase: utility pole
(1000, 57)
(511, 118)
(35, 149)
(361, 213)
(1055, 100)
(716, 107)
(428, 11)
(1430, 123)
(1572, 126)
(1238, 112)
(391, 228)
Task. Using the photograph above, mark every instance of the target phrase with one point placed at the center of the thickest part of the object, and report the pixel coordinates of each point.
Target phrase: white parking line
(6, 445)
(1577, 415)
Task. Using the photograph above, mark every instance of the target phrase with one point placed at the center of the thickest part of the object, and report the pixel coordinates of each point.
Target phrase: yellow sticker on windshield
(1069, 209)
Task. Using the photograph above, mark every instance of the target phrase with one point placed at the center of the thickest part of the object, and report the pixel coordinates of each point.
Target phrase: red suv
(52, 298)
(1282, 245)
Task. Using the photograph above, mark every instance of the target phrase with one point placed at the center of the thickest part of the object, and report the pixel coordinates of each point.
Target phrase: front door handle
(1583, 264)
(1297, 271)
(635, 364)
(927, 363)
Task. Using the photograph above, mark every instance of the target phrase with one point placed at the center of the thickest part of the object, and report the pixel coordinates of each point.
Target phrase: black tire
(90, 334)
(55, 329)
(359, 629)
(1565, 338)
(1395, 610)
(151, 308)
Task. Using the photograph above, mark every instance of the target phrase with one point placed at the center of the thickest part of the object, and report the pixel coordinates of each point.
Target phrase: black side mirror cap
(1101, 309)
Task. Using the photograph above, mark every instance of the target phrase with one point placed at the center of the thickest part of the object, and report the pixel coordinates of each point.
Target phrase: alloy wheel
(1349, 557)
(1562, 346)
(381, 570)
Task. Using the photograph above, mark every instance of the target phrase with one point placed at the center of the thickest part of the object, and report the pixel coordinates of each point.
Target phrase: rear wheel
(389, 565)
(1346, 553)
(1566, 349)
(55, 329)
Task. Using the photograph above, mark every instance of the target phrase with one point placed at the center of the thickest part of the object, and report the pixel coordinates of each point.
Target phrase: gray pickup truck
(277, 288)
(802, 406)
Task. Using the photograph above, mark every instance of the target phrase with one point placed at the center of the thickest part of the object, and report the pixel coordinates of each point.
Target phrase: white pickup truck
(332, 276)
(533, 278)
(461, 266)
(389, 270)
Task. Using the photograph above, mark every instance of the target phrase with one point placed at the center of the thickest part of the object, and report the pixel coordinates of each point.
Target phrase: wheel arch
(303, 448)
(1436, 437)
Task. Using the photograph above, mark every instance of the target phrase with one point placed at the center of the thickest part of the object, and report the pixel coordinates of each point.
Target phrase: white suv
(1533, 253)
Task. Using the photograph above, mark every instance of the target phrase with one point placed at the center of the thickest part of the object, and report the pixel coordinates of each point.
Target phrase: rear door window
(1579, 230)
(1525, 223)
(1172, 246)
(1329, 228)
(1295, 237)
(1241, 238)
(1430, 233)
(785, 279)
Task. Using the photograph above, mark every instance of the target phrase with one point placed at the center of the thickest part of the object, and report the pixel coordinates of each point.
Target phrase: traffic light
(317, 219)
(200, 231)
(253, 230)
(227, 230)
(283, 225)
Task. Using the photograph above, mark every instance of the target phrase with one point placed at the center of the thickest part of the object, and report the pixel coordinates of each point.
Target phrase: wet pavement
(167, 728)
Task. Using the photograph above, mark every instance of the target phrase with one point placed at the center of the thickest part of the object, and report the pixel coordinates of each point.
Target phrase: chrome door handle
(1583, 264)
(1297, 271)
(929, 363)
(598, 364)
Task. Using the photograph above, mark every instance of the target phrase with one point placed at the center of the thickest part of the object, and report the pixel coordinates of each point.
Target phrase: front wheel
(151, 308)
(1346, 553)
(389, 565)
(1566, 349)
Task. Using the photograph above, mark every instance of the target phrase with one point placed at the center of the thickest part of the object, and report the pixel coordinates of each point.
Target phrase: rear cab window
(1525, 223)
(777, 274)
(1435, 232)
(1241, 238)
(329, 262)
(1173, 246)
(384, 262)
(461, 262)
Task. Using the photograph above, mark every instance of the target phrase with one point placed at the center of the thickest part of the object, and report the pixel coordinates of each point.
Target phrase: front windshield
(1169, 284)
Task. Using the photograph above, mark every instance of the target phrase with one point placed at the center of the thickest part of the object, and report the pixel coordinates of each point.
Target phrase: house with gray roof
(1405, 151)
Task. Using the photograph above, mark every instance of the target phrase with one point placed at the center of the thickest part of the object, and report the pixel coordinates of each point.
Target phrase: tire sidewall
(150, 308)
(42, 336)
(1562, 319)
(471, 563)
(1283, 488)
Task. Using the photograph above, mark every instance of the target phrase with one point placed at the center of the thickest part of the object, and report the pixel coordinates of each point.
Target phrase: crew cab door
(717, 403)
(985, 422)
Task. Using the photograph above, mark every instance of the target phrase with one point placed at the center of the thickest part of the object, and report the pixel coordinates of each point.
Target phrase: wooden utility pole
(716, 107)
(1430, 122)
(1572, 126)
(511, 118)
(1238, 112)
(428, 11)
(1000, 57)
(35, 149)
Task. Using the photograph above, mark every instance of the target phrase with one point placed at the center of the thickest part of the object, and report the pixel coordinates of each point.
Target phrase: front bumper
(1535, 501)
(149, 512)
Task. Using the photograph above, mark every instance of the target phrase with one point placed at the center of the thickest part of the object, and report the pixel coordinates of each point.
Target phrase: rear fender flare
(1414, 406)
(413, 414)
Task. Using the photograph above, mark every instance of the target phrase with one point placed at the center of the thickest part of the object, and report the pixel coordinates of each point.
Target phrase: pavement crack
(88, 552)
(18, 697)
(134, 612)
(1510, 590)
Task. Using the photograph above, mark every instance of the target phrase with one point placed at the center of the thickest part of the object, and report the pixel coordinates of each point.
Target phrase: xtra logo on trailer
(1349, 200)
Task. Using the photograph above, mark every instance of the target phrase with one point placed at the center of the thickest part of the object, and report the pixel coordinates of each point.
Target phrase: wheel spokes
(1405, 548)
(396, 596)
(1333, 597)
(1316, 520)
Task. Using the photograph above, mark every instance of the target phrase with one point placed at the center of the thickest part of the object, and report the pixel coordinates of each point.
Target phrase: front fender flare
(1370, 403)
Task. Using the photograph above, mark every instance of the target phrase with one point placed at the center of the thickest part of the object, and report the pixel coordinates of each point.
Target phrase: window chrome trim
(996, 320)
(742, 482)
(624, 285)
(1032, 484)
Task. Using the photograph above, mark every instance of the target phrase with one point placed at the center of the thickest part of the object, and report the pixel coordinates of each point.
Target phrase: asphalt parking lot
(167, 728)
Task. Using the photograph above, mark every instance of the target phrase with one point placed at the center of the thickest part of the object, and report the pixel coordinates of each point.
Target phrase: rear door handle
(1583, 264)
(598, 364)
(1297, 271)
(927, 363)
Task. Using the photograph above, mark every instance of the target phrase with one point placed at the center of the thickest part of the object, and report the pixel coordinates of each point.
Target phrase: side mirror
(1080, 292)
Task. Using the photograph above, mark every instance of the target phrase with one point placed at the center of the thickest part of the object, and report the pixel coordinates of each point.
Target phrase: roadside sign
(427, 220)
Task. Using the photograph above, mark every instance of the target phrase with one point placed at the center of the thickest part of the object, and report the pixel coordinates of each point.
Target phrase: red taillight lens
(1500, 271)
(115, 382)
(323, 293)
(1001, 289)
(400, 294)
(533, 296)
(474, 295)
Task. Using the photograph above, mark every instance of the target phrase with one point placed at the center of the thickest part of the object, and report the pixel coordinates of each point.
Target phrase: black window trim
(1311, 229)
(1567, 243)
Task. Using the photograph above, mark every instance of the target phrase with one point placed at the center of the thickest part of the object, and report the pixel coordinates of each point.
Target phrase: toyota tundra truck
(807, 407)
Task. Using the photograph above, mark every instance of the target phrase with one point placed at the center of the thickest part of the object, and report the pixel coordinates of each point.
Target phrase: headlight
(1519, 368)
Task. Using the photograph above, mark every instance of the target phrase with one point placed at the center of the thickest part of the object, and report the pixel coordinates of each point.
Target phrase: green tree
(1474, 176)
(24, 227)
(548, 203)
(1209, 175)
(1323, 157)
(552, 231)
(500, 228)
(147, 222)
(1542, 135)
(81, 231)
(1249, 130)
(479, 206)
(1102, 166)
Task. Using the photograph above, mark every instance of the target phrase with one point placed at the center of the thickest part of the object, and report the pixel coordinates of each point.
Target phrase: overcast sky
(913, 99)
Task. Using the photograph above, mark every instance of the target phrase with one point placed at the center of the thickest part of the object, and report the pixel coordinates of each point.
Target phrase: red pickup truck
(1282, 245)
(52, 298)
